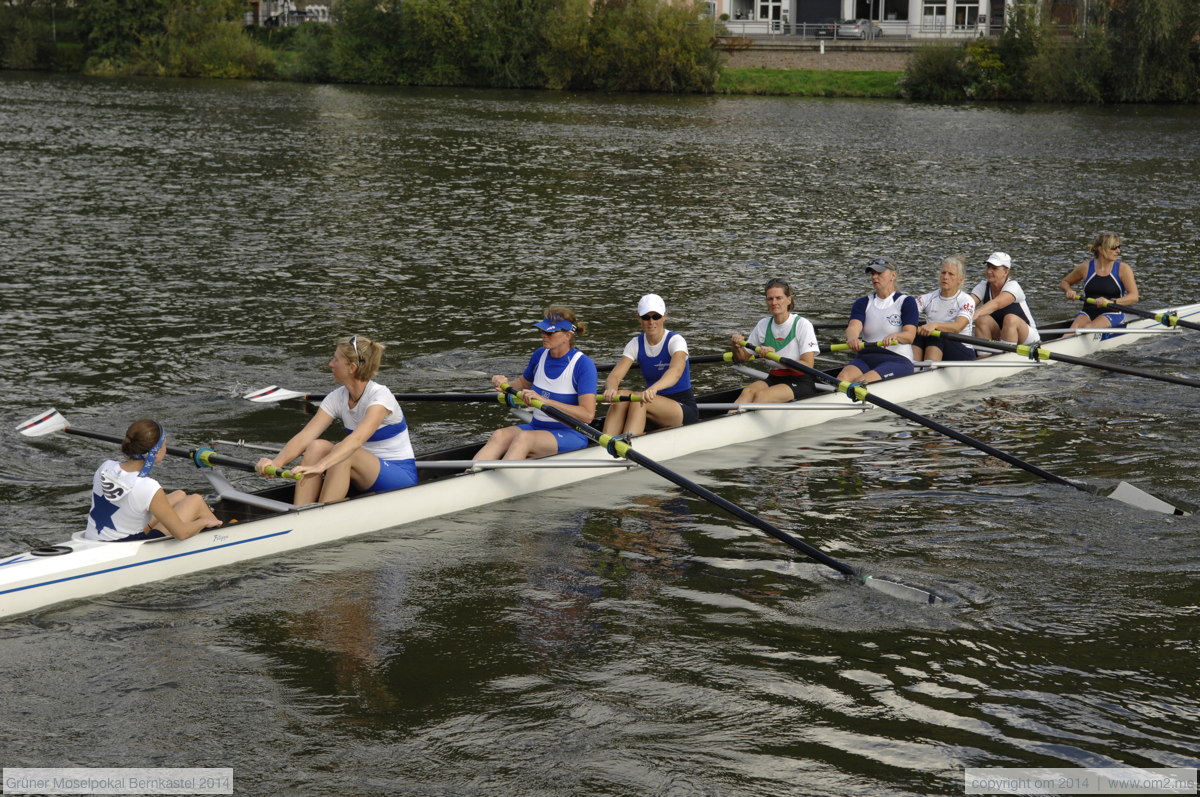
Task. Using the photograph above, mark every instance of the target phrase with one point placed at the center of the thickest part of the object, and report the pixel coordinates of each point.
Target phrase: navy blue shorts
(886, 364)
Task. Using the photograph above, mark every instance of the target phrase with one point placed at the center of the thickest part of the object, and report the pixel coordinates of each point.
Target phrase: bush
(935, 72)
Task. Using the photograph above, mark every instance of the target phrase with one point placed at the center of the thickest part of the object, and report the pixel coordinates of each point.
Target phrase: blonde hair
(960, 267)
(557, 312)
(362, 353)
(1104, 240)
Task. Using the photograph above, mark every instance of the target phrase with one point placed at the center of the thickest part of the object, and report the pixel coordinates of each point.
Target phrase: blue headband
(153, 452)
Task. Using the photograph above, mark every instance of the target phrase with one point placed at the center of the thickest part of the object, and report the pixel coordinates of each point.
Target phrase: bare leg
(531, 444)
(614, 419)
(309, 488)
(498, 443)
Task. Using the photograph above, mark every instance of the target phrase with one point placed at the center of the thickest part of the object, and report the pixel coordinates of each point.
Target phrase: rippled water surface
(167, 246)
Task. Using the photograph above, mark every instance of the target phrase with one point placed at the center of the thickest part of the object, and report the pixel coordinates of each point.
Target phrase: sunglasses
(651, 317)
(354, 345)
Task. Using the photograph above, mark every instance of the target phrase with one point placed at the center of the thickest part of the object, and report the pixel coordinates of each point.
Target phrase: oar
(53, 421)
(1125, 493)
(274, 393)
(1166, 317)
(698, 359)
(1040, 353)
(620, 448)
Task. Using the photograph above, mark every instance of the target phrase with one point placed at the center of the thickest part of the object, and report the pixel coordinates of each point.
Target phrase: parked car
(826, 29)
(858, 29)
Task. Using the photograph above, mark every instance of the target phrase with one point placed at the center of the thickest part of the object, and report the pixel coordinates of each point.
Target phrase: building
(907, 18)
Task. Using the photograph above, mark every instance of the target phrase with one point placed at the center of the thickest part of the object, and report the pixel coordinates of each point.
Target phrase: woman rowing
(375, 456)
(667, 400)
(786, 333)
(1001, 312)
(558, 375)
(948, 309)
(1105, 278)
(887, 320)
(128, 505)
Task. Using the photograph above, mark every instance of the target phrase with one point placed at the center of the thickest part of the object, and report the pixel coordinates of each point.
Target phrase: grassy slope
(809, 83)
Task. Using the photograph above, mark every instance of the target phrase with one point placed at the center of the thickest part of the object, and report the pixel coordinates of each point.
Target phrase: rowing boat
(451, 482)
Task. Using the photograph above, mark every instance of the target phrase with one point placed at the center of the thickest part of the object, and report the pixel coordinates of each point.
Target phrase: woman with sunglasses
(889, 319)
(789, 335)
(559, 375)
(667, 400)
(376, 454)
(1104, 277)
(128, 505)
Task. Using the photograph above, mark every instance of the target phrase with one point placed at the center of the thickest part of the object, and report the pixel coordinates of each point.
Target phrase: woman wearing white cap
(559, 375)
(1105, 276)
(668, 399)
(888, 319)
(128, 505)
(1002, 313)
(788, 334)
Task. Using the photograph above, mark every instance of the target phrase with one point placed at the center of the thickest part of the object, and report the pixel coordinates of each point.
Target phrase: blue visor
(555, 325)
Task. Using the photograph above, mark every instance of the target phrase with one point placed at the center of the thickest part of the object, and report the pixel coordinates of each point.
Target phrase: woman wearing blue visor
(559, 375)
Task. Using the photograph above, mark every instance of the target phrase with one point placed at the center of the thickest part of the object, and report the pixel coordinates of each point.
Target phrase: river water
(169, 245)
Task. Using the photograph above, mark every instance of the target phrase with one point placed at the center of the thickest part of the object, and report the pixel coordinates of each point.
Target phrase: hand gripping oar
(1165, 317)
(53, 421)
(620, 448)
(1039, 353)
(1126, 493)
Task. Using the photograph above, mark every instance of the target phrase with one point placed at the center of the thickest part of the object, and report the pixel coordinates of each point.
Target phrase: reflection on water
(170, 245)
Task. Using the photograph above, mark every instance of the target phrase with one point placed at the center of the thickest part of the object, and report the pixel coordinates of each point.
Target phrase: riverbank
(810, 83)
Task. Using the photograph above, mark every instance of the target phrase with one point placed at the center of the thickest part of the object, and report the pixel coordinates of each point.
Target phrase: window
(966, 17)
(933, 15)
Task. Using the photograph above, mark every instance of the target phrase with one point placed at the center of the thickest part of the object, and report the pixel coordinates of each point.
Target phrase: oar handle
(1165, 317)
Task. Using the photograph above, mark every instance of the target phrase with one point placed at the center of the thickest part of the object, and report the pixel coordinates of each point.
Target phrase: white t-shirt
(937, 309)
(805, 340)
(1013, 287)
(383, 444)
(120, 502)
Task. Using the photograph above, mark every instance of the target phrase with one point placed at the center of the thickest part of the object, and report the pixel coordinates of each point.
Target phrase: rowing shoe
(620, 448)
(855, 391)
(53, 421)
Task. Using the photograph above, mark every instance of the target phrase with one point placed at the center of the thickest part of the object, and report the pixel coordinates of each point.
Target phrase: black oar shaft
(623, 449)
(1165, 318)
(863, 394)
(212, 458)
(1045, 354)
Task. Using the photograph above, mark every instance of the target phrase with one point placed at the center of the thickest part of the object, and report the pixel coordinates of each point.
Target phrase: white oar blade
(903, 591)
(272, 394)
(1127, 493)
(46, 423)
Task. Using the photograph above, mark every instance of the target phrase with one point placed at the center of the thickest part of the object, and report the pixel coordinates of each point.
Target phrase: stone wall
(843, 57)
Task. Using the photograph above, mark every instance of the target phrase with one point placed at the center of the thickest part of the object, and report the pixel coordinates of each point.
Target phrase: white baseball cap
(1000, 259)
(652, 303)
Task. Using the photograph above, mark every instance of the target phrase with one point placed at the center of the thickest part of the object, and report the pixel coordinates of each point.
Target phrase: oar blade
(46, 423)
(272, 394)
(1135, 496)
(903, 591)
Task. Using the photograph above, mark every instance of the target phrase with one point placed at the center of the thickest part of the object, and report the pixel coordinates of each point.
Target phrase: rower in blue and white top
(375, 456)
(1002, 313)
(948, 309)
(668, 399)
(888, 319)
(786, 333)
(128, 505)
(560, 376)
(1105, 277)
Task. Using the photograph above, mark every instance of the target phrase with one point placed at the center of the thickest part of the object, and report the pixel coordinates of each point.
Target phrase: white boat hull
(33, 580)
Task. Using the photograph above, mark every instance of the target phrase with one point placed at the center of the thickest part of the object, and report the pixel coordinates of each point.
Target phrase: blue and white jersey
(654, 360)
(562, 379)
(120, 503)
(884, 317)
(390, 440)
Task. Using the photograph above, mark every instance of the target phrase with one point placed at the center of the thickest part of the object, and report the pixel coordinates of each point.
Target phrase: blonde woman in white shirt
(948, 309)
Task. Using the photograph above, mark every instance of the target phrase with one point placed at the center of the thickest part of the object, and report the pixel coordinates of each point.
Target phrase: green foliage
(1126, 51)
(367, 42)
(649, 45)
(114, 29)
(936, 73)
(564, 61)
(38, 34)
(809, 83)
